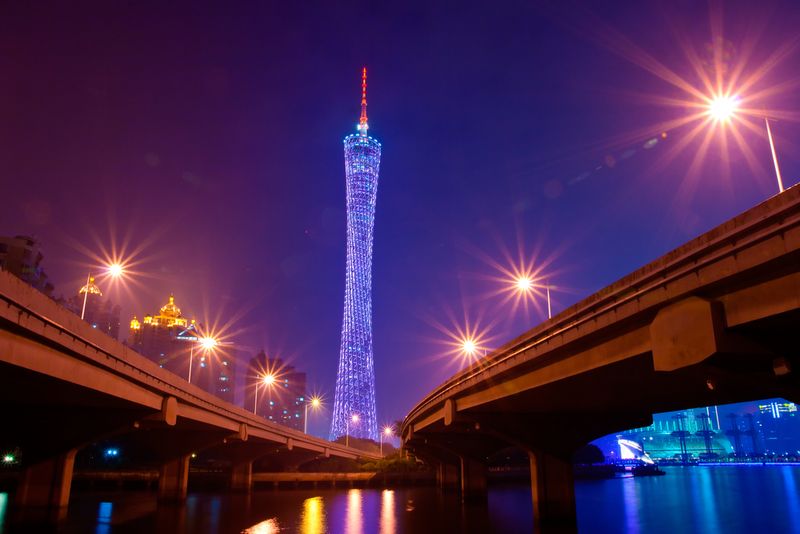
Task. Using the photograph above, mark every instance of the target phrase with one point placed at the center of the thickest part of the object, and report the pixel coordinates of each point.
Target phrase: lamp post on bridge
(206, 344)
(469, 347)
(354, 418)
(268, 380)
(387, 431)
(114, 270)
(722, 108)
(525, 284)
(315, 403)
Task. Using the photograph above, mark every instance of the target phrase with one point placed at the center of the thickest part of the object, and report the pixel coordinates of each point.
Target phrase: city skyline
(483, 157)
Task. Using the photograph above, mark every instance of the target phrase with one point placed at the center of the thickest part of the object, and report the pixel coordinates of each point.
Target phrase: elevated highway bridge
(64, 386)
(715, 321)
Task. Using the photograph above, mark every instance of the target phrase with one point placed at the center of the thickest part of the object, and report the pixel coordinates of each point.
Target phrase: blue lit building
(354, 404)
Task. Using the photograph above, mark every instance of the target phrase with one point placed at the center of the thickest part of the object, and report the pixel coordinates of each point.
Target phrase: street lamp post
(207, 344)
(267, 380)
(115, 270)
(524, 284)
(774, 156)
(387, 431)
(315, 403)
(722, 108)
(354, 419)
(469, 347)
(86, 294)
(549, 309)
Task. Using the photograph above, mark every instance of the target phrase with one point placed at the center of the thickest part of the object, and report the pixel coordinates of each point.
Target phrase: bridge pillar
(473, 479)
(43, 491)
(553, 492)
(173, 479)
(447, 476)
(242, 476)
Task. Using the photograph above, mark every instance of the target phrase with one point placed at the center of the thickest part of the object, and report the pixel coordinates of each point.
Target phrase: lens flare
(722, 107)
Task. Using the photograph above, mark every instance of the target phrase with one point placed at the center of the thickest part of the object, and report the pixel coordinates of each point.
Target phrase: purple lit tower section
(354, 411)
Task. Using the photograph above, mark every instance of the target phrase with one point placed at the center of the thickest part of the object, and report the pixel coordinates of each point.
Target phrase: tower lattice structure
(354, 410)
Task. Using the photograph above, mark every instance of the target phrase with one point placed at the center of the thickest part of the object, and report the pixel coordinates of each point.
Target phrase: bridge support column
(447, 476)
(473, 479)
(173, 480)
(553, 492)
(43, 491)
(242, 476)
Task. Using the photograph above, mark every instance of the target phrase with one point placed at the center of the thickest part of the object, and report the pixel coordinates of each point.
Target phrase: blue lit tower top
(354, 404)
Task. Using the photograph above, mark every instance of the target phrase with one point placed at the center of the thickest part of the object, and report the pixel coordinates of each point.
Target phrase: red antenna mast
(362, 123)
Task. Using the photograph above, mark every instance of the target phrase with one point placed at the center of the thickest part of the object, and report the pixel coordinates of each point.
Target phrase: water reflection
(630, 500)
(388, 520)
(692, 499)
(792, 497)
(104, 510)
(3, 506)
(354, 523)
(312, 519)
(270, 526)
(708, 501)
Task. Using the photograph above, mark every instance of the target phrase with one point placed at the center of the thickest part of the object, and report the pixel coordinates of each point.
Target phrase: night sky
(205, 145)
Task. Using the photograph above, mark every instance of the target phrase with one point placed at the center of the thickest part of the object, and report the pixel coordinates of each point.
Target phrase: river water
(745, 499)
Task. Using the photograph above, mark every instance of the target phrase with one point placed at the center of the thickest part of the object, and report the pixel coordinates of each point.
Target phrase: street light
(354, 418)
(315, 403)
(469, 347)
(206, 344)
(114, 270)
(525, 284)
(387, 431)
(722, 108)
(268, 379)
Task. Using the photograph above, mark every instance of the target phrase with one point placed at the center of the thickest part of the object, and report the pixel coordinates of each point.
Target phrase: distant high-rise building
(99, 312)
(171, 340)
(21, 257)
(355, 379)
(777, 409)
(778, 423)
(282, 398)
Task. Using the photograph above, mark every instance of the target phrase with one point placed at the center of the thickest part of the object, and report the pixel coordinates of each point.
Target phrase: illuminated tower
(354, 404)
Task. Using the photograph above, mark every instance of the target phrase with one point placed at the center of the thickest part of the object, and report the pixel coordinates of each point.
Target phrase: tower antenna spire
(362, 123)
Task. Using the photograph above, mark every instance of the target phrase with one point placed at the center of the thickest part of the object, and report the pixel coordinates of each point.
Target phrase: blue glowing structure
(354, 411)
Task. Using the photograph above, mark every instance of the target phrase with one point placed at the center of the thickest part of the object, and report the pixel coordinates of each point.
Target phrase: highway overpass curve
(712, 322)
(65, 385)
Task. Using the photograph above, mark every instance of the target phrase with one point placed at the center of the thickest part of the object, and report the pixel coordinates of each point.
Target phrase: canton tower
(354, 404)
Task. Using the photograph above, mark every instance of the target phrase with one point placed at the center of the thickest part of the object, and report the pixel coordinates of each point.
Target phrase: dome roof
(170, 309)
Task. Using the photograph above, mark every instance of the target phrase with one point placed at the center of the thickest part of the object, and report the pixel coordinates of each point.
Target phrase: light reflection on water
(388, 521)
(693, 499)
(3, 504)
(104, 512)
(312, 520)
(354, 523)
(270, 526)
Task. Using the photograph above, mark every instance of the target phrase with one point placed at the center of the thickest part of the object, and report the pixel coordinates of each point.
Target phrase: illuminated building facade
(21, 257)
(281, 401)
(170, 339)
(355, 379)
(100, 312)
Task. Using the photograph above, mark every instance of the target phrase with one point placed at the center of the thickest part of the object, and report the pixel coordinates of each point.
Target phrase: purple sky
(211, 137)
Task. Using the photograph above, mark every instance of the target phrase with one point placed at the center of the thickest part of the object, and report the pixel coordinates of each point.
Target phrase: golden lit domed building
(170, 340)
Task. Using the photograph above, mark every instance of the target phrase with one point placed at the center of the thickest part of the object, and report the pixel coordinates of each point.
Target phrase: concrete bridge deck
(65, 386)
(714, 321)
